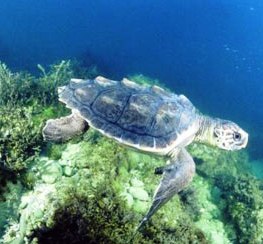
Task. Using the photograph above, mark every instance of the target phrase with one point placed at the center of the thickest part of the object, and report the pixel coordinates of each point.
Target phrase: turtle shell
(146, 118)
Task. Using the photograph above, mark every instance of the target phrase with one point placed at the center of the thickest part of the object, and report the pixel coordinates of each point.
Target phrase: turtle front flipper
(176, 176)
(64, 128)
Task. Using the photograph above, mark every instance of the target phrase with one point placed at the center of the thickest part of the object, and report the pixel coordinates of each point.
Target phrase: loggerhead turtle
(148, 119)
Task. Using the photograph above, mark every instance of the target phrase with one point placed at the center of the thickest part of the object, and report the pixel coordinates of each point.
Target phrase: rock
(51, 171)
(71, 151)
(136, 183)
(63, 162)
(68, 171)
(49, 179)
(139, 193)
(140, 206)
(24, 202)
(38, 214)
(128, 198)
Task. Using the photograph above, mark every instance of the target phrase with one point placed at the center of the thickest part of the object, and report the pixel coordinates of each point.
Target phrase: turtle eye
(237, 136)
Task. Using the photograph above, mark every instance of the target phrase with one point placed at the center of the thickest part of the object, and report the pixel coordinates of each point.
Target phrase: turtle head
(228, 135)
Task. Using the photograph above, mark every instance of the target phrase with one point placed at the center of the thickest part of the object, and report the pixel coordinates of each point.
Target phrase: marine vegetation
(93, 190)
(20, 137)
(10, 196)
(145, 80)
(15, 87)
(24, 89)
(26, 102)
(244, 206)
(93, 194)
(239, 193)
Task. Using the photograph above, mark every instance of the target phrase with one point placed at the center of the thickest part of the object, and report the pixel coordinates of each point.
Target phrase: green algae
(14, 87)
(239, 195)
(94, 194)
(244, 205)
(94, 190)
(9, 202)
(26, 102)
(20, 138)
(146, 80)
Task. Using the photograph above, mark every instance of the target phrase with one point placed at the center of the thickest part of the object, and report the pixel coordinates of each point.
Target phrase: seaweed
(22, 88)
(239, 195)
(92, 190)
(89, 204)
(146, 80)
(244, 204)
(9, 202)
(15, 87)
(26, 102)
(20, 138)
(81, 218)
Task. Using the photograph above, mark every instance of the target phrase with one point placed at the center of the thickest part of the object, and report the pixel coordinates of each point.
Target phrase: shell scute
(161, 142)
(147, 141)
(137, 117)
(104, 82)
(130, 138)
(130, 84)
(160, 91)
(98, 123)
(85, 112)
(109, 104)
(76, 83)
(166, 117)
(86, 94)
(111, 129)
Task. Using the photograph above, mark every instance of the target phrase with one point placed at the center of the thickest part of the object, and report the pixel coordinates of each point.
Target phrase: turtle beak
(245, 138)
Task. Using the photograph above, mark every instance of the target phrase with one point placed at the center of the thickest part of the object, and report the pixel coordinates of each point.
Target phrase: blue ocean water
(211, 51)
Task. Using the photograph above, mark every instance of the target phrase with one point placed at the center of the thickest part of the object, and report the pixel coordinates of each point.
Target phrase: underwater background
(210, 51)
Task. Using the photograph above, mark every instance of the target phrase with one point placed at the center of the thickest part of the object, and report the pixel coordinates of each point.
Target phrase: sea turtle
(148, 119)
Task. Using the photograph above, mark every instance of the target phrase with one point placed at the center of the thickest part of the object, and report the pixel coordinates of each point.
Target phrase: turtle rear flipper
(176, 176)
(64, 128)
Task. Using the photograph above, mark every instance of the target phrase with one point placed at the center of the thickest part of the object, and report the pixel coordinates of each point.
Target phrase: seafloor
(91, 190)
